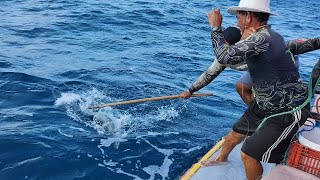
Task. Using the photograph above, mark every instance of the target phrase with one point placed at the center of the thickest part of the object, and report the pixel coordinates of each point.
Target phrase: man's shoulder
(274, 33)
(263, 33)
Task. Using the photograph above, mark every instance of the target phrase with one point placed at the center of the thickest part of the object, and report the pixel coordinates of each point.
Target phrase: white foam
(28, 160)
(67, 98)
(164, 113)
(163, 170)
(128, 174)
(18, 111)
(22, 163)
(156, 134)
(64, 134)
(101, 165)
(112, 121)
(110, 163)
(192, 149)
(43, 144)
(151, 170)
(79, 129)
(167, 113)
(161, 134)
(109, 141)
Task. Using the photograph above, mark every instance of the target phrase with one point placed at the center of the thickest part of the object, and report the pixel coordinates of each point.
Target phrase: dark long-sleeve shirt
(296, 47)
(275, 79)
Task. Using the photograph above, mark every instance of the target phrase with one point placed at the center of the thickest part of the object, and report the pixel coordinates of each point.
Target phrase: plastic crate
(304, 158)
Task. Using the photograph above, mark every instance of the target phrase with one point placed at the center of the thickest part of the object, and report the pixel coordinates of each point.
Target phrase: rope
(310, 95)
(311, 91)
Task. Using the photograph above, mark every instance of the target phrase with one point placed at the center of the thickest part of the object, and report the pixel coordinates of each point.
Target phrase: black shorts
(250, 120)
(270, 142)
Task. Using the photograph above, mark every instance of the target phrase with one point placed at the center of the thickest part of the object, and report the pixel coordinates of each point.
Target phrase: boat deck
(232, 170)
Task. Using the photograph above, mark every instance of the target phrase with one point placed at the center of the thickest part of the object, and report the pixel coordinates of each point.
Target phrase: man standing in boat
(243, 128)
(275, 83)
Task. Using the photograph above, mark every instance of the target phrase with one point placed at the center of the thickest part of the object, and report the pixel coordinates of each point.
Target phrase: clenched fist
(215, 18)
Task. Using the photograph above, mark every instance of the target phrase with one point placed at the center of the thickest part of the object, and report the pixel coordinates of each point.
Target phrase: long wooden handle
(145, 100)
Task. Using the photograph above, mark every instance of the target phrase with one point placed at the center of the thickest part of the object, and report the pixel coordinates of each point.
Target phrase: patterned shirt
(275, 79)
(296, 47)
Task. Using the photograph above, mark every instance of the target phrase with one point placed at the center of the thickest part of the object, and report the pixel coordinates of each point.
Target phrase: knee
(247, 158)
(238, 88)
(244, 157)
(230, 139)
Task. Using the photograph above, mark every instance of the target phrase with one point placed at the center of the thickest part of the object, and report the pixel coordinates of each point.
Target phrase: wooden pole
(146, 99)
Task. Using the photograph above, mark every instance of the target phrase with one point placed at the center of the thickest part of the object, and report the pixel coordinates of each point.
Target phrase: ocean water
(58, 57)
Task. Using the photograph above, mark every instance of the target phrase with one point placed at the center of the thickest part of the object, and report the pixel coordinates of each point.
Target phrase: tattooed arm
(301, 46)
(207, 77)
(238, 53)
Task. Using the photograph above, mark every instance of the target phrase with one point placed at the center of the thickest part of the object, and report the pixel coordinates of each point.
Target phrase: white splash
(67, 98)
(167, 113)
(109, 141)
(112, 121)
(164, 113)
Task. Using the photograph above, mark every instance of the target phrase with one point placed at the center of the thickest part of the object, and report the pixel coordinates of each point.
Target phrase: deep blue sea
(58, 57)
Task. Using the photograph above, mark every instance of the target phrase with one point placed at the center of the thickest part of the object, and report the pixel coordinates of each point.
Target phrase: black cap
(232, 35)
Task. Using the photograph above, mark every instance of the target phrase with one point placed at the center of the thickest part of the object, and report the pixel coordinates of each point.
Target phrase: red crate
(304, 158)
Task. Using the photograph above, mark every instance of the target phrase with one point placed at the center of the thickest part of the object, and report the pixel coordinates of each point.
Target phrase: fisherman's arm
(301, 46)
(238, 53)
(205, 78)
(243, 66)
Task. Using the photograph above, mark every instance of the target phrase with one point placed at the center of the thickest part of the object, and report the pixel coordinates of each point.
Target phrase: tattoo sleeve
(238, 53)
(301, 46)
(207, 77)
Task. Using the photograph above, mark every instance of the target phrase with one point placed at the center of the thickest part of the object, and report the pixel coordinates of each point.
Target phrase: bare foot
(213, 162)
